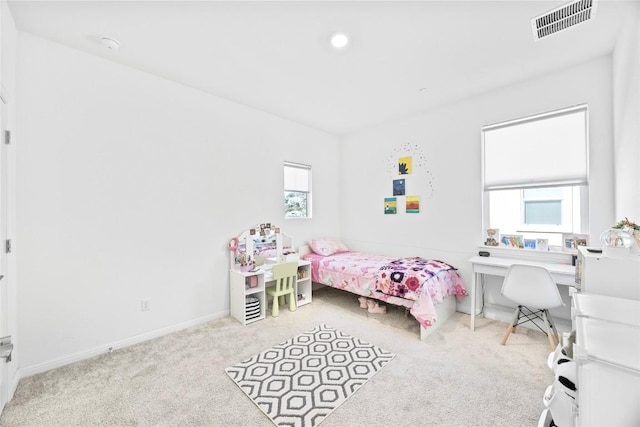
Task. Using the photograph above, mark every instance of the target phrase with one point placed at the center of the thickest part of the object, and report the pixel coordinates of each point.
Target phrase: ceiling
(404, 57)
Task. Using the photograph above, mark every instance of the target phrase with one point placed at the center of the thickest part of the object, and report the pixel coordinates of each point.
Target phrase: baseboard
(27, 371)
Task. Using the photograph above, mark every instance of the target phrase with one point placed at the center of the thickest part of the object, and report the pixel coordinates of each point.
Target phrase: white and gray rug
(301, 381)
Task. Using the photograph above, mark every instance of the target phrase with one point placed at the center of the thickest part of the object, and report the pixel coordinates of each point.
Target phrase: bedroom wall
(130, 187)
(626, 96)
(449, 226)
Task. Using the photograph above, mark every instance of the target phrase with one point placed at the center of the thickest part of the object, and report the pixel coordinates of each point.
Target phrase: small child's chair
(285, 275)
(535, 292)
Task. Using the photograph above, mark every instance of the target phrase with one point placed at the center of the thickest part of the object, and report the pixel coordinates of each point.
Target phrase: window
(543, 206)
(535, 175)
(297, 190)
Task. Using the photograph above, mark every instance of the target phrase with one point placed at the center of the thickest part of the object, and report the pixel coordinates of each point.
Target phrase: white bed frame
(444, 310)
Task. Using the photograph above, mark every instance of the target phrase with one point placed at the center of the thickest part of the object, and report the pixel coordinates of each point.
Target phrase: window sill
(551, 256)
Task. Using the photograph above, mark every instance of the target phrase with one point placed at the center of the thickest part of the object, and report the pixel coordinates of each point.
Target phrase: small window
(548, 212)
(543, 206)
(297, 190)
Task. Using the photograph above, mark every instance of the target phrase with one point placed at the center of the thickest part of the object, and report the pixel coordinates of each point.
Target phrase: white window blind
(545, 150)
(296, 177)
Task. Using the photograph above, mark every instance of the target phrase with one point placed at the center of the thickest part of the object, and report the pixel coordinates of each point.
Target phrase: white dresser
(605, 275)
(605, 366)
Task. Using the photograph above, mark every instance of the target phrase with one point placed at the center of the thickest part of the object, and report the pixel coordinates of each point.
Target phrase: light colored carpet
(455, 378)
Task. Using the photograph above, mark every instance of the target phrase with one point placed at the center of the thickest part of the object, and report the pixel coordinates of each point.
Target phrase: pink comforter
(357, 273)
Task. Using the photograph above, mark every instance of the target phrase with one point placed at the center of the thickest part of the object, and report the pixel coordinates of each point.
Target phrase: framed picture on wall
(404, 165)
(412, 204)
(398, 187)
(390, 205)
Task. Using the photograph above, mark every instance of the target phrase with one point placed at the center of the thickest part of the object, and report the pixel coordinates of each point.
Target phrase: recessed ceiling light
(339, 40)
(110, 43)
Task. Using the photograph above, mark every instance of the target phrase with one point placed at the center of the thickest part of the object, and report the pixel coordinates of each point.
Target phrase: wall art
(404, 165)
(413, 204)
(390, 205)
(398, 187)
(422, 180)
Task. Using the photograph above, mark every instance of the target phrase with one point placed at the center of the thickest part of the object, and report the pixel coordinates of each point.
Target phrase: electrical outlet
(145, 305)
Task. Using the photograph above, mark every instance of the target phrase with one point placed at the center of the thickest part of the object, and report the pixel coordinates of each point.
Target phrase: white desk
(240, 289)
(563, 274)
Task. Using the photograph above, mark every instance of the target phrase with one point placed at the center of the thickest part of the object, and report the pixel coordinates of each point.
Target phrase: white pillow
(327, 246)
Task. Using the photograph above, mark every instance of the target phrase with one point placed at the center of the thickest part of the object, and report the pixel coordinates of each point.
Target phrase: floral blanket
(357, 272)
(404, 277)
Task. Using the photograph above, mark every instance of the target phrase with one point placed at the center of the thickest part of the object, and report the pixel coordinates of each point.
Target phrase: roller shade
(545, 150)
(296, 177)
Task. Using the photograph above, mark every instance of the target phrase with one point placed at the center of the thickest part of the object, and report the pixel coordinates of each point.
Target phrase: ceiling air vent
(563, 17)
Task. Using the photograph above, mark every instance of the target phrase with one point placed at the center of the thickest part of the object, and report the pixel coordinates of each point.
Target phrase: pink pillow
(327, 246)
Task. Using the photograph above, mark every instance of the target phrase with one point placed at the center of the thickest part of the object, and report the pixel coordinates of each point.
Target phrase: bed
(429, 289)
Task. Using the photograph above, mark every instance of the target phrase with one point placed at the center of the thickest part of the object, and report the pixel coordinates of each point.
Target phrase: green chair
(285, 275)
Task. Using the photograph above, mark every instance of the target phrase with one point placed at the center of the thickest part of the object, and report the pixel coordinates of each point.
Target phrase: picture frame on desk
(571, 242)
(511, 240)
(492, 236)
(542, 245)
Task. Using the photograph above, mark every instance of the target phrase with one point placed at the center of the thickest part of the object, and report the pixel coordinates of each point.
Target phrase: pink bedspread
(357, 273)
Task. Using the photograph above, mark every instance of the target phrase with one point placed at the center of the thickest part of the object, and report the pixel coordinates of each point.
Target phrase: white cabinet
(247, 288)
(605, 367)
(613, 309)
(303, 285)
(616, 277)
(608, 374)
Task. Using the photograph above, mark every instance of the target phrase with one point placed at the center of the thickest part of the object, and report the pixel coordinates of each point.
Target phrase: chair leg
(516, 318)
(546, 317)
(275, 309)
(552, 328)
(506, 335)
(512, 326)
(293, 306)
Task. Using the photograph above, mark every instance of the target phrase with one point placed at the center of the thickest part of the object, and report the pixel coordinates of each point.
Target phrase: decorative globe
(615, 238)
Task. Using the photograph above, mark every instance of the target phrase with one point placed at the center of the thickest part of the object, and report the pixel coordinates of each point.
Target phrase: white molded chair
(285, 275)
(535, 292)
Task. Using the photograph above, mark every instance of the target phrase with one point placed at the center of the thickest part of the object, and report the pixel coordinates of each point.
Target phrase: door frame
(7, 305)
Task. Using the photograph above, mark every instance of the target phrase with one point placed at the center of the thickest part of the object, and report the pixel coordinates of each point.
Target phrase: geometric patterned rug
(301, 381)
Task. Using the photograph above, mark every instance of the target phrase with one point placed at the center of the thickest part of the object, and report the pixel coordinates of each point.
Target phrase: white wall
(449, 224)
(626, 96)
(129, 187)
